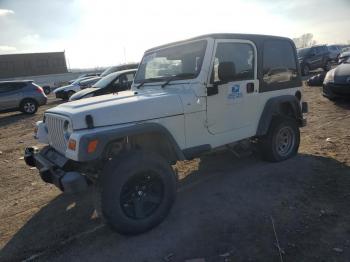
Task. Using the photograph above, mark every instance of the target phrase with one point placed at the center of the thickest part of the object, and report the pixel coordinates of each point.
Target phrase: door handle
(250, 87)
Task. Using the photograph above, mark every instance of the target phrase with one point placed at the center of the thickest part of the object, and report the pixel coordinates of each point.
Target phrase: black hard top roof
(252, 37)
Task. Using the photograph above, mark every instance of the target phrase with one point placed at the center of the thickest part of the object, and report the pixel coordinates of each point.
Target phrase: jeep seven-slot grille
(55, 127)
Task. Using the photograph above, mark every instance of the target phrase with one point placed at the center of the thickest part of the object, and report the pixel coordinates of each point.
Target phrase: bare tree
(304, 40)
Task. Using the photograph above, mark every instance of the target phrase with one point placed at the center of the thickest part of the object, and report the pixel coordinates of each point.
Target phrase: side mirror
(226, 72)
(312, 53)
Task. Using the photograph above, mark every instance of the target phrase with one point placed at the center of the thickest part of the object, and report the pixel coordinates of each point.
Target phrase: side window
(313, 51)
(16, 86)
(130, 77)
(279, 65)
(124, 82)
(5, 88)
(242, 57)
(320, 50)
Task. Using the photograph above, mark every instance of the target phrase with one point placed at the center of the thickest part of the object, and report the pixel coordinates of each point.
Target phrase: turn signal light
(72, 144)
(92, 146)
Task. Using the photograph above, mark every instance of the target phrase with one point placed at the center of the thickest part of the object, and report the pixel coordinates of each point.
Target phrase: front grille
(55, 127)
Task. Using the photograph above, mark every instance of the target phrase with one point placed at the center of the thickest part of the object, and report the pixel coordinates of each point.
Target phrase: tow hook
(29, 155)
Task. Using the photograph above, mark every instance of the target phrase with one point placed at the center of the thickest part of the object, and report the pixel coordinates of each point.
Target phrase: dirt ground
(228, 209)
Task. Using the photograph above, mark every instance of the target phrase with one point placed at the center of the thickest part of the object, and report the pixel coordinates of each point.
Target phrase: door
(313, 58)
(231, 104)
(319, 55)
(10, 95)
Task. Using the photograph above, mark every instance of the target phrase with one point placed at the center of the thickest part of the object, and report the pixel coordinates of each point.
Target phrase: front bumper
(42, 100)
(54, 169)
(332, 90)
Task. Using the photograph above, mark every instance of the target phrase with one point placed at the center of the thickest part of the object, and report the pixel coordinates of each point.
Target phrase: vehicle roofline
(252, 37)
(122, 72)
(16, 81)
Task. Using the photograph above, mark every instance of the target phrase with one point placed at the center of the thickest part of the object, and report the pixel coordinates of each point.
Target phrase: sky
(99, 33)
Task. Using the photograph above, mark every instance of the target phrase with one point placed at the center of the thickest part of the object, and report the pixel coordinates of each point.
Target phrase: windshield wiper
(148, 80)
(141, 84)
(178, 76)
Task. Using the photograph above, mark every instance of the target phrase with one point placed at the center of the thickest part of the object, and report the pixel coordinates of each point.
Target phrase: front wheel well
(286, 109)
(150, 142)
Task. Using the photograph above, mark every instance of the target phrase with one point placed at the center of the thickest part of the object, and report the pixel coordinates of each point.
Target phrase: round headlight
(67, 128)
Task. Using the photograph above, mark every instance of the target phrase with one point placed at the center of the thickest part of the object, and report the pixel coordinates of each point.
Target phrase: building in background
(32, 64)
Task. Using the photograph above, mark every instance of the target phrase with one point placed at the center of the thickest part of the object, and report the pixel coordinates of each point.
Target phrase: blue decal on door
(235, 92)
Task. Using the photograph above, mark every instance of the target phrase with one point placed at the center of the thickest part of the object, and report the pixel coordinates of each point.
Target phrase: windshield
(78, 81)
(303, 51)
(108, 71)
(184, 59)
(105, 81)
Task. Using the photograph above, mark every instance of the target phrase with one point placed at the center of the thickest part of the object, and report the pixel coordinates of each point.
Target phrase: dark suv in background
(311, 58)
(24, 95)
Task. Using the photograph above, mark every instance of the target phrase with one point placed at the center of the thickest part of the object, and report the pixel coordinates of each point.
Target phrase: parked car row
(335, 83)
(26, 96)
(65, 92)
(112, 83)
(321, 56)
(312, 58)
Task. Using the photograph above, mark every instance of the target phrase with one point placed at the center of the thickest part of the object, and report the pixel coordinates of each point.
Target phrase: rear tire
(281, 141)
(29, 106)
(328, 66)
(138, 192)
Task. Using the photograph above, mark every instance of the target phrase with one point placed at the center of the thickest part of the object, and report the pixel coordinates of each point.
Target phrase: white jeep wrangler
(187, 98)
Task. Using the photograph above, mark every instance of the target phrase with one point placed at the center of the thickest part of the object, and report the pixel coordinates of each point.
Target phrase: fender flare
(106, 136)
(272, 108)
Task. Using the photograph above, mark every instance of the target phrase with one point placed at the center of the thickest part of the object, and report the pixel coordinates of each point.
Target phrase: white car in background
(65, 92)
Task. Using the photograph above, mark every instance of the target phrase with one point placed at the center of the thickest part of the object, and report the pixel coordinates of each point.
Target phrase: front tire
(281, 141)
(305, 70)
(29, 106)
(138, 192)
(328, 66)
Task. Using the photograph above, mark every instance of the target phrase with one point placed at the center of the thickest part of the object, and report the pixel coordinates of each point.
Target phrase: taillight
(39, 89)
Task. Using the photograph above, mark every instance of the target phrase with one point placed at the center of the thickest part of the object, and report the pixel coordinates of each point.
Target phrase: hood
(342, 74)
(124, 107)
(62, 88)
(82, 93)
